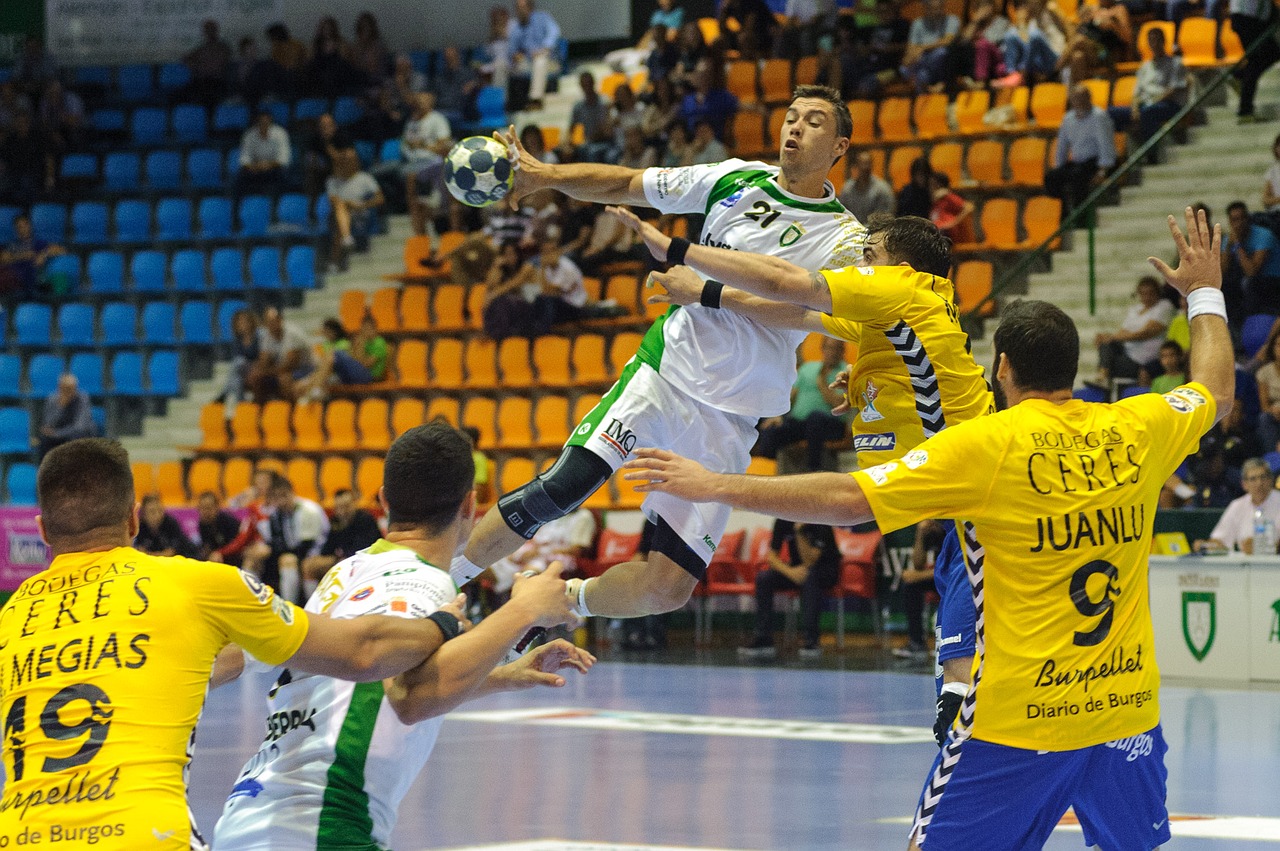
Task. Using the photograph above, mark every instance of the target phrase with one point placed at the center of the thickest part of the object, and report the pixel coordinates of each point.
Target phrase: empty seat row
(268, 268)
(120, 324)
(312, 480)
(989, 163)
(160, 170)
(192, 124)
(135, 82)
(482, 364)
(125, 373)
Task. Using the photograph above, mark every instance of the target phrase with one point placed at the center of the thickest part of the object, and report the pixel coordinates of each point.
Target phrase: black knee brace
(577, 474)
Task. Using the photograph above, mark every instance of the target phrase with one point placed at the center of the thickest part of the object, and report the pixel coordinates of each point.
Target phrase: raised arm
(598, 183)
(682, 286)
(365, 649)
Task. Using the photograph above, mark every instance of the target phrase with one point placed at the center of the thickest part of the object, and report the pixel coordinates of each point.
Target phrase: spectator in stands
(12, 101)
(369, 52)
(1235, 528)
(256, 78)
(1035, 41)
(886, 42)
(864, 194)
(244, 354)
(1108, 29)
(210, 64)
(27, 164)
(1255, 251)
(917, 582)
(1250, 19)
(810, 420)
(1173, 365)
(34, 67)
(532, 140)
(23, 260)
(813, 570)
(754, 27)
(952, 213)
(665, 55)
(255, 494)
(265, 153)
(289, 54)
(1268, 378)
(1135, 348)
(705, 148)
(507, 312)
(355, 198)
(405, 80)
(61, 114)
(533, 38)
(495, 56)
(346, 359)
(561, 293)
(159, 532)
(351, 530)
(284, 358)
(916, 199)
(1176, 10)
(693, 49)
(253, 502)
(975, 57)
(678, 152)
(627, 113)
(484, 467)
(1086, 150)
(67, 415)
(324, 145)
(295, 529)
(1271, 181)
(1161, 88)
(455, 86)
(925, 61)
(708, 100)
(662, 110)
(427, 138)
(665, 19)
(635, 153)
(332, 71)
(218, 528)
(592, 115)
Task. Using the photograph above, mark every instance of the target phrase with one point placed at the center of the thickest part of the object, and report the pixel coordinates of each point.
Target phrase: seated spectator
(1219, 461)
(1035, 41)
(708, 100)
(1107, 27)
(705, 147)
(383, 119)
(255, 78)
(810, 419)
(253, 501)
(1134, 349)
(159, 533)
(805, 21)
(592, 114)
(254, 497)
(351, 530)
(494, 61)
(667, 18)
(323, 146)
(662, 110)
(678, 152)
(265, 153)
(1236, 526)
(1173, 362)
(67, 415)
(886, 43)
(1086, 150)
(864, 194)
(294, 530)
(507, 311)
(1271, 181)
(925, 62)
(217, 529)
(634, 152)
(331, 71)
(244, 354)
(427, 138)
(753, 27)
(1161, 89)
(405, 80)
(27, 163)
(952, 214)
(455, 86)
(533, 39)
(34, 67)
(665, 55)
(917, 582)
(342, 359)
(284, 358)
(1250, 22)
(288, 54)
(975, 56)
(355, 198)
(62, 116)
(1253, 253)
(369, 53)
(692, 49)
(532, 140)
(1268, 378)
(210, 64)
(12, 101)
(22, 263)
(627, 113)
(561, 293)
(813, 570)
(916, 199)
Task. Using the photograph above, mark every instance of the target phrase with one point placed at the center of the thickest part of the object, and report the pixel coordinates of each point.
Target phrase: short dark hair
(428, 473)
(84, 485)
(343, 492)
(1041, 343)
(279, 482)
(151, 499)
(1237, 205)
(914, 241)
(844, 121)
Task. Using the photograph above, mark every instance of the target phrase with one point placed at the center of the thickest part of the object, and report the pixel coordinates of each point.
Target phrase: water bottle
(1263, 537)
(1268, 538)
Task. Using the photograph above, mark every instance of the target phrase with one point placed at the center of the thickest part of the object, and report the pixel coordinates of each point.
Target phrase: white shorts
(644, 410)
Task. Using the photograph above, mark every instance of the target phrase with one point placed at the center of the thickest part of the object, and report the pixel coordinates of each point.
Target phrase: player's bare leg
(491, 540)
(637, 588)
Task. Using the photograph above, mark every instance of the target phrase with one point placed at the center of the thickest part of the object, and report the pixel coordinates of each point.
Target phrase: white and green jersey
(717, 356)
(336, 761)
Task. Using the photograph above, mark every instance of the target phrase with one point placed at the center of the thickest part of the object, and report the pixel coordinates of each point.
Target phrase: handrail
(1088, 205)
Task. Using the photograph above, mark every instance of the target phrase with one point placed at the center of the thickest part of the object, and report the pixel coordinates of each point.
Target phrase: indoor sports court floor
(718, 756)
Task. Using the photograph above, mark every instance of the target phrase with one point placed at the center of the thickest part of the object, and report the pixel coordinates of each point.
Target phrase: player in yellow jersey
(1064, 706)
(105, 659)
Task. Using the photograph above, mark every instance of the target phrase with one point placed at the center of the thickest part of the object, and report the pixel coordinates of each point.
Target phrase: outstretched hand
(660, 470)
(541, 667)
(655, 240)
(529, 172)
(681, 285)
(1199, 254)
(842, 384)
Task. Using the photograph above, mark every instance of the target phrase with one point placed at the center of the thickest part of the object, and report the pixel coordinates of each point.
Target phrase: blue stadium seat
(63, 273)
(135, 82)
(88, 368)
(126, 374)
(347, 110)
(233, 162)
(214, 214)
(106, 272)
(109, 120)
(147, 271)
(188, 271)
(119, 322)
(89, 223)
(492, 106)
(158, 324)
(10, 375)
(226, 310)
(423, 61)
(15, 431)
(264, 268)
(324, 210)
(255, 215)
(75, 325)
(91, 76)
(190, 123)
(366, 151)
(279, 112)
(308, 109)
(196, 321)
(390, 152)
(43, 372)
(294, 209)
(148, 125)
(33, 324)
(173, 218)
(79, 167)
(7, 215)
(120, 171)
(163, 374)
(20, 484)
(227, 265)
(231, 118)
(163, 170)
(173, 76)
(204, 168)
(49, 222)
(99, 414)
(300, 267)
(133, 221)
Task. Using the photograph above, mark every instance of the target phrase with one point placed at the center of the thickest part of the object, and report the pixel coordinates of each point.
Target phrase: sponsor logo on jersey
(247, 788)
(362, 594)
(283, 609)
(880, 473)
(1184, 400)
(256, 586)
(791, 235)
(1137, 746)
(875, 442)
(618, 437)
(915, 459)
(399, 604)
(711, 545)
(1178, 403)
(869, 413)
(866, 270)
(734, 198)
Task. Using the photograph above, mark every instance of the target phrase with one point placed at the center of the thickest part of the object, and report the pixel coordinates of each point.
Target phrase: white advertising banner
(81, 32)
(1200, 609)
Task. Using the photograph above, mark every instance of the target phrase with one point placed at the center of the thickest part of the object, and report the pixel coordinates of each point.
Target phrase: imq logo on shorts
(619, 438)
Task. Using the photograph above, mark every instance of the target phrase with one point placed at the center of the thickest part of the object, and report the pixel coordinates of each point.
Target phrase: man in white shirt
(1086, 150)
(1161, 87)
(284, 357)
(866, 194)
(293, 531)
(561, 294)
(353, 196)
(1236, 525)
(264, 155)
(1135, 348)
(427, 138)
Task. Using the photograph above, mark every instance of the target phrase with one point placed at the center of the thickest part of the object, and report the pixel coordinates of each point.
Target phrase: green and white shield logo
(1199, 621)
(790, 235)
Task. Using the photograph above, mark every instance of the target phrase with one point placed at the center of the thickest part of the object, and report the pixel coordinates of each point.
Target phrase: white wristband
(1206, 300)
(580, 609)
(955, 688)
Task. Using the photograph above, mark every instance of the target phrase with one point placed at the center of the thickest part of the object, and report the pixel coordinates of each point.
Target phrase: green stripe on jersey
(764, 181)
(654, 343)
(344, 815)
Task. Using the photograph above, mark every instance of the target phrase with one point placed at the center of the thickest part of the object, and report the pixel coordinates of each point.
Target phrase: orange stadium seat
(385, 308)
(144, 478)
(369, 477)
(895, 120)
(168, 483)
(515, 422)
(450, 241)
(1027, 160)
(308, 428)
(740, 79)
(577, 136)
(608, 84)
(446, 362)
(748, 134)
(1099, 92)
(213, 427)
(623, 347)
(1018, 99)
(551, 136)
(551, 361)
(551, 420)
(351, 309)
(582, 406)
(1000, 223)
(930, 112)
(806, 70)
(1049, 104)
(414, 316)
(443, 408)
(1122, 91)
(710, 28)
(973, 284)
(900, 161)
(272, 465)
(340, 425)
(450, 301)
(301, 473)
(1040, 218)
(237, 473)
(589, 363)
(276, 434)
(407, 413)
(516, 472)
(482, 366)
(624, 290)
(945, 157)
(775, 81)
(475, 308)
(628, 499)
(514, 364)
(416, 249)
(371, 417)
(411, 363)
(245, 433)
(971, 109)
(811, 348)
(481, 413)
(985, 161)
(652, 310)
(336, 474)
(863, 113)
(838, 174)
(600, 500)
(204, 474)
(878, 161)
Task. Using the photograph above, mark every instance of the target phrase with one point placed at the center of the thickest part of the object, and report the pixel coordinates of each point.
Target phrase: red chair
(857, 575)
(612, 547)
(727, 575)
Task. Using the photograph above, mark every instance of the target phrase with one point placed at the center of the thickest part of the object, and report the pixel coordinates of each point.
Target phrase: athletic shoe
(911, 651)
(810, 651)
(759, 648)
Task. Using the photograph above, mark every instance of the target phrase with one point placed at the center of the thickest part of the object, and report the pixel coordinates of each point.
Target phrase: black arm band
(449, 625)
(711, 294)
(676, 251)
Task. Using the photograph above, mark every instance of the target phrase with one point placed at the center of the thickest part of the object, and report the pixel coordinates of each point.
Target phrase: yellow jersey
(104, 665)
(1062, 498)
(915, 374)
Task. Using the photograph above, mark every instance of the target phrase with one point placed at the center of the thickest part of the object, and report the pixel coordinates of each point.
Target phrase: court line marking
(1187, 826)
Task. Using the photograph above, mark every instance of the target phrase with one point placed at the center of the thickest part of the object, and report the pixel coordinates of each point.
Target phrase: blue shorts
(954, 628)
(996, 797)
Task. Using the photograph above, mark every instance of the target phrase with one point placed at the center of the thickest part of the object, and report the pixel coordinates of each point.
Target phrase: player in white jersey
(702, 377)
(338, 757)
